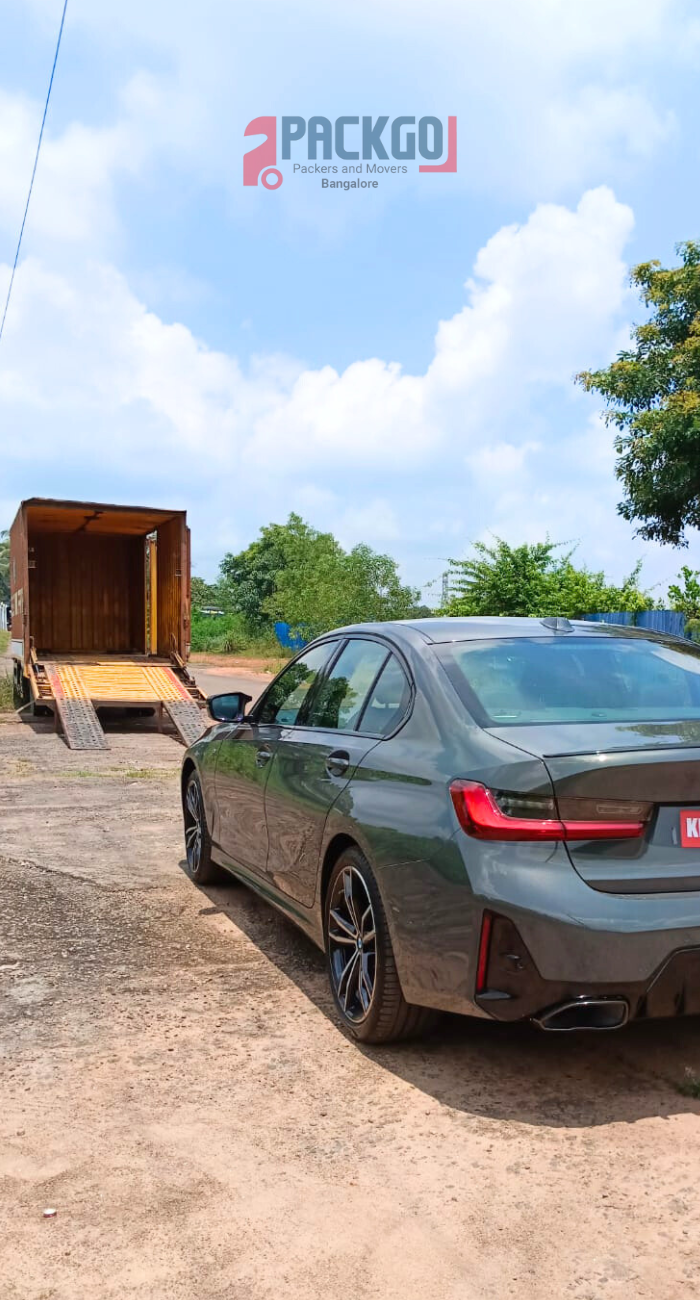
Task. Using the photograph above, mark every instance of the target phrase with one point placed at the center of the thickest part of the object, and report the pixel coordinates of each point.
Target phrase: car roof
(437, 631)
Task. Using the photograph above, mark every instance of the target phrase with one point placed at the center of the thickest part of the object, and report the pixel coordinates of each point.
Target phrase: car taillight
(501, 815)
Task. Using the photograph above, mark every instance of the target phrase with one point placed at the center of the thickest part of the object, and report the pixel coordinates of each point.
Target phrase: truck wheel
(361, 966)
(200, 867)
(21, 685)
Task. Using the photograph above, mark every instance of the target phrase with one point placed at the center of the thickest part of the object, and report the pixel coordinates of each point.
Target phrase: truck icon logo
(259, 163)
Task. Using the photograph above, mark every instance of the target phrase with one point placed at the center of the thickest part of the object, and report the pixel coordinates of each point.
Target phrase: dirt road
(175, 1086)
(212, 679)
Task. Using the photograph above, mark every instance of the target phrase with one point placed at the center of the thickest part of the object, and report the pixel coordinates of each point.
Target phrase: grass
(7, 693)
(689, 1085)
(274, 665)
(23, 767)
(229, 635)
(127, 773)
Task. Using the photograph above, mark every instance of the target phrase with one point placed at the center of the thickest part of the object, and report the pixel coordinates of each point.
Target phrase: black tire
(21, 685)
(382, 1015)
(200, 867)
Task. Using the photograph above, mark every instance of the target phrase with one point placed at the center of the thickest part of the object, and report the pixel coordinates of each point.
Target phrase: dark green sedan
(496, 817)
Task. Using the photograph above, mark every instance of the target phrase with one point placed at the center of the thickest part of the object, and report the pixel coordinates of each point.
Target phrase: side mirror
(229, 707)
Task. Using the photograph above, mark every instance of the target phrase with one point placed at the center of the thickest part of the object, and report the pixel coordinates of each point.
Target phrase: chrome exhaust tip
(584, 1013)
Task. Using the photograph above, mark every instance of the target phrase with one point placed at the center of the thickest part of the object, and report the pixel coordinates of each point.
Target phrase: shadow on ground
(112, 720)
(505, 1072)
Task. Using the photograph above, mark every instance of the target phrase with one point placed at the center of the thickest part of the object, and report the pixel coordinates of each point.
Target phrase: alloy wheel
(193, 826)
(352, 945)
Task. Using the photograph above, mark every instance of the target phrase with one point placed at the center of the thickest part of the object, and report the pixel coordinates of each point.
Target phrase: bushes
(228, 634)
(533, 581)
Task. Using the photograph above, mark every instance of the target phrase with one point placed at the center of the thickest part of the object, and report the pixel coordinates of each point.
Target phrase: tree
(297, 575)
(652, 392)
(686, 599)
(5, 567)
(247, 580)
(580, 591)
(207, 594)
(500, 579)
(322, 586)
(535, 581)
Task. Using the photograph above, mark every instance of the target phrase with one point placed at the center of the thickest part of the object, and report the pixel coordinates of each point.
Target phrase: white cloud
(100, 389)
(540, 297)
(502, 460)
(100, 393)
(588, 131)
(73, 194)
(551, 95)
(377, 519)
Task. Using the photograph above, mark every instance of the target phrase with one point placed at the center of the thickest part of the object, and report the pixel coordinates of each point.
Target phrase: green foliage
(322, 586)
(248, 580)
(692, 629)
(686, 598)
(295, 574)
(4, 567)
(535, 581)
(652, 393)
(229, 634)
(207, 595)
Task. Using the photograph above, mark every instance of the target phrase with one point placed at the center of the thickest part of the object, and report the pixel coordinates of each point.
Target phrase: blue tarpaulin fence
(657, 620)
(288, 639)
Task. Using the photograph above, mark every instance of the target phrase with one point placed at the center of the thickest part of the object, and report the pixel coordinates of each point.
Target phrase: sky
(395, 364)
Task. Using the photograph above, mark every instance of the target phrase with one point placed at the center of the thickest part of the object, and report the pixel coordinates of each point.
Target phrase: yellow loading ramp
(78, 689)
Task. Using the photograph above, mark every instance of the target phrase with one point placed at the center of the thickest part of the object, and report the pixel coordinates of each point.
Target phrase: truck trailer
(100, 601)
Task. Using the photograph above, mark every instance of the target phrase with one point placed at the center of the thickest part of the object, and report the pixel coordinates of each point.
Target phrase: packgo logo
(260, 163)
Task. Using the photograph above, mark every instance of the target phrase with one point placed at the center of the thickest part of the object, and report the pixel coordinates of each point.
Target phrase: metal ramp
(80, 723)
(80, 688)
(186, 718)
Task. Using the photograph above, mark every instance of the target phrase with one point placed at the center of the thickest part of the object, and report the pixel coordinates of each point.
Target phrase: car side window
(287, 695)
(389, 701)
(341, 695)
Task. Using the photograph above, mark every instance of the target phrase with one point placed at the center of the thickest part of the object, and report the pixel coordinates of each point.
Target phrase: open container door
(19, 591)
(173, 588)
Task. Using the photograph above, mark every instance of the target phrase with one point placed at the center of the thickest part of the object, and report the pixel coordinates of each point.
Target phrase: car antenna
(557, 624)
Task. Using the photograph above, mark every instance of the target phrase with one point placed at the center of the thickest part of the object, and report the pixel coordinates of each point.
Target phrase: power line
(36, 160)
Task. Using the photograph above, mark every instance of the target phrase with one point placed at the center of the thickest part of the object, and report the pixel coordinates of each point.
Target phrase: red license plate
(690, 828)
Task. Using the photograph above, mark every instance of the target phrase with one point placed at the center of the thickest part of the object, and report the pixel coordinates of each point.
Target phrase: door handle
(338, 762)
(263, 756)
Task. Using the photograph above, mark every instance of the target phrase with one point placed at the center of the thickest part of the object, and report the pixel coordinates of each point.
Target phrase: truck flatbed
(76, 687)
(101, 614)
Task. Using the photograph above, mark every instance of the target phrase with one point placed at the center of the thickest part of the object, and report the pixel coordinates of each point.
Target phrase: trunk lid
(654, 762)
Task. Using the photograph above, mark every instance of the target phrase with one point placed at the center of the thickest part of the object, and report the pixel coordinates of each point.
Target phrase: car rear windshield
(517, 682)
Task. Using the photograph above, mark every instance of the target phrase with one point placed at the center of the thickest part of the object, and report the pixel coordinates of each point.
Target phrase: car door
(245, 755)
(313, 761)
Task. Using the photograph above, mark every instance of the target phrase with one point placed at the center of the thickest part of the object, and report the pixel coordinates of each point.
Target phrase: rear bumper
(569, 941)
(515, 988)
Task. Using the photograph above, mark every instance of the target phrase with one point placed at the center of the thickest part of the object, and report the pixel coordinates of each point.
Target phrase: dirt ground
(174, 1084)
(244, 664)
